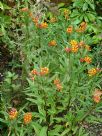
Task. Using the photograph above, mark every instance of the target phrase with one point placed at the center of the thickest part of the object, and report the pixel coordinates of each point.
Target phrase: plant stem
(87, 113)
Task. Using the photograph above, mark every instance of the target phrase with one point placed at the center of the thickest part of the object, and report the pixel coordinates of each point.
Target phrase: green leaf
(1, 6)
(65, 132)
(85, 6)
(92, 6)
(43, 132)
(36, 127)
(61, 5)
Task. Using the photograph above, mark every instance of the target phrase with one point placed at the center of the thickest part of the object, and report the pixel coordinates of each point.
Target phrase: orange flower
(81, 60)
(35, 20)
(53, 20)
(69, 29)
(87, 47)
(27, 118)
(31, 14)
(13, 113)
(82, 27)
(56, 81)
(81, 44)
(96, 96)
(24, 9)
(34, 72)
(74, 43)
(32, 78)
(43, 25)
(92, 72)
(52, 43)
(74, 49)
(87, 59)
(59, 87)
(44, 71)
(66, 12)
(68, 49)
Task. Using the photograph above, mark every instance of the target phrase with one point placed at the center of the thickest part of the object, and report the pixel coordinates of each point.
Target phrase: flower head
(87, 47)
(68, 49)
(74, 49)
(96, 96)
(27, 118)
(44, 71)
(73, 43)
(24, 9)
(82, 27)
(53, 20)
(92, 71)
(81, 44)
(69, 29)
(87, 59)
(35, 20)
(13, 113)
(34, 72)
(56, 81)
(52, 43)
(59, 87)
(81, 60)
(43, 25)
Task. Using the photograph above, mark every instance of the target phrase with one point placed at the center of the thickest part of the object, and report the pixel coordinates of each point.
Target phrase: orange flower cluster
(92, 71)
(68, 50)
(97, 96)
(87, 47)
(34, 72)
(87, 59)
(27, 118)
(24, 9)
(53, 20)
(13, 113)
(52, 43)
(82, 27)
(66, 13)
(58, 84)
(43, 25)
(44, 71)
(81, 44)
(35, 20)
(74, 45)
(69, 29)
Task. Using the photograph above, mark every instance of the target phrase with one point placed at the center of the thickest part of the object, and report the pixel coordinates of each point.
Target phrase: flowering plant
(59, 82)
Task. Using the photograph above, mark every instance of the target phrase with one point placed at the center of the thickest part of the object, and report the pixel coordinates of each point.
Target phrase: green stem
(88, 113)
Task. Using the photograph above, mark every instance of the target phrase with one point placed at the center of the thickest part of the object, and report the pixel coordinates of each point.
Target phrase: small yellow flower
(43, 25)
(53, 20)
(27, 118)
(56, 81)
(97, 95)
(81, 44)
(69, 29)
(87, 59)
(74, 49)
(66, 12)
(82, 27)
(59, 87)
(44, 71)
(52, 43)
(34, 72)
(74, 43)
(24, 9)
(92, 71)
(13, 113)
(87, 47)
